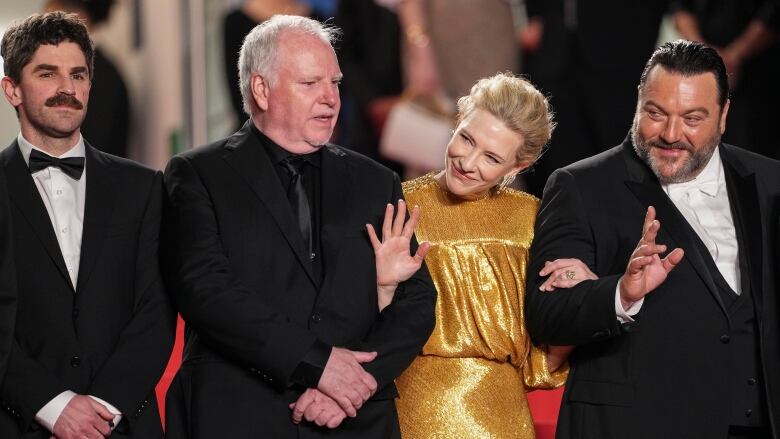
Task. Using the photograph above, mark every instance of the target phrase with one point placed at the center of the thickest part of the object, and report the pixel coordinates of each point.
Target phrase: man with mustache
(94, 328)
(678, 336)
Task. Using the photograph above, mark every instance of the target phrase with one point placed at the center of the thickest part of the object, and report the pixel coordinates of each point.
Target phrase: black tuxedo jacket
(668, 373)
(111, 335)
(7, 277)
(242, 280)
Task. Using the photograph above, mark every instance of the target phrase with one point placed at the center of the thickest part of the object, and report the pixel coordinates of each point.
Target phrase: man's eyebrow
(45, 67)
(80, 69)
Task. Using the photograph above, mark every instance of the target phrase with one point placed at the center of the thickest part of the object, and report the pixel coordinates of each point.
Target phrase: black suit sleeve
(7, 280)
(132, 370)
(224, 312)
(404, 326)
(585, 312)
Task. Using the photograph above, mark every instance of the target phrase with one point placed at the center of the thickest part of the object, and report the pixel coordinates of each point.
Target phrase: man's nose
(672, 130)
(330, 95)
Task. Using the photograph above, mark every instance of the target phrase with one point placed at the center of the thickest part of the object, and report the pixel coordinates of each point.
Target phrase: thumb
(422, 250)
(672, 259)
(364, 357)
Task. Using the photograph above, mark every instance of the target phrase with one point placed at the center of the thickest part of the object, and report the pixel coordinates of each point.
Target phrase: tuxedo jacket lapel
(337, 186)
(247, 157)
(98, 207)
(743, 197)
(24, 194)
(645, 186)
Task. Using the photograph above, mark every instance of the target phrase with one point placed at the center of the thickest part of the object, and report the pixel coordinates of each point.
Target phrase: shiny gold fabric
(474, 371)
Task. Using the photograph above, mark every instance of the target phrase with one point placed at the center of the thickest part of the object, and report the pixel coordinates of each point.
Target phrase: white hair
(260, 47)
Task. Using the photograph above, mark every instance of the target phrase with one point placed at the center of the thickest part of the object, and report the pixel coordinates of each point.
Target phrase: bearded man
(678, 336)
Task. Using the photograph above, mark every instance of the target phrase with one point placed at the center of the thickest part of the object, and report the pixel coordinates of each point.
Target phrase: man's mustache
(64, 99)
(676, 145)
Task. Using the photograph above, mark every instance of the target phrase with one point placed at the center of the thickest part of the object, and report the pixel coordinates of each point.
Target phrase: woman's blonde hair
(519, 105)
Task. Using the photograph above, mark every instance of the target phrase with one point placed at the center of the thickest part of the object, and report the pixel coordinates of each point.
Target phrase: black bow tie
(72, 166)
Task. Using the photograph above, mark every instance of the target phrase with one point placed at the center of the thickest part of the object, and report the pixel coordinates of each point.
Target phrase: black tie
(298, 199)
(72, 166)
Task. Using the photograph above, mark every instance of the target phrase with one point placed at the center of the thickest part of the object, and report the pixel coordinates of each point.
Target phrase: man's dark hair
(23, 38)
(688, 58)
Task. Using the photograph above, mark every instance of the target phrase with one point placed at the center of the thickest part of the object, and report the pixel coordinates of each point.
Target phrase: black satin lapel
(336, 194)
(250, 161)
(674, 224)
(743, 196)
(98, 208)
(27, 199)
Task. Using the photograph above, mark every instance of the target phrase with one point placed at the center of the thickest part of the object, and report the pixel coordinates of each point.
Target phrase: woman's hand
(564, 273)
(394, 262)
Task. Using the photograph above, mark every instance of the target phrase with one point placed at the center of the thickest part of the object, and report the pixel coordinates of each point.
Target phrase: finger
(303, 403)
(313, 412)
(411, 225)
(347, 406)
(652, 231)
(363, 357)
(649, 250)
(400, 216)
(636, 264)
(422, 250)
(369, 381)
(549, 267)
(102, 411)
(387, 223)
(102, 428)
(336, 420)
(649, 218)
(547, 285)
(372, 237)
(672, 259)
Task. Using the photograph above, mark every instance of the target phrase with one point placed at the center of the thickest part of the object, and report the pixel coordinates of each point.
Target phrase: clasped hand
(343, 388)
(82, 418)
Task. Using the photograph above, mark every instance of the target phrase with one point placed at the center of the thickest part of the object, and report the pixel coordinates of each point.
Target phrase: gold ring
(570, 274)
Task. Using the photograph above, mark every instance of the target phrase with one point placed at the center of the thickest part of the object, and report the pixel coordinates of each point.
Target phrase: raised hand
(394, 262)
(646, 270)
(345, 380)
(564, 273)
(316, 407)
(82, 418)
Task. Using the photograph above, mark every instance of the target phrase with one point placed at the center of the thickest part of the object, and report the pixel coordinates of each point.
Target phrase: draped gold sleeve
(471, 377)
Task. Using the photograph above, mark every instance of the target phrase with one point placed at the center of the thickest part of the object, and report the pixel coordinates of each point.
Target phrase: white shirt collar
(78, 150)
(709, 180)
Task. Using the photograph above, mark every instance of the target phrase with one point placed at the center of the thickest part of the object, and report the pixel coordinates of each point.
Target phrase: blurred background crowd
(166, 76)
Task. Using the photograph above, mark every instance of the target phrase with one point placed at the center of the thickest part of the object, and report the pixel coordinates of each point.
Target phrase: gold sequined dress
(472, 376)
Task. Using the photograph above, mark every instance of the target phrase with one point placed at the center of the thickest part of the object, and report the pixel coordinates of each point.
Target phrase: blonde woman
(471, 378)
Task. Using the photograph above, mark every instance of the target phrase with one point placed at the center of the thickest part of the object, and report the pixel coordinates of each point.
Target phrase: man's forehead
(63, 52)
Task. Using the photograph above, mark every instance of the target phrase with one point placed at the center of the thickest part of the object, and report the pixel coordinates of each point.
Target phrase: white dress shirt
(64, 199)
(704, 202)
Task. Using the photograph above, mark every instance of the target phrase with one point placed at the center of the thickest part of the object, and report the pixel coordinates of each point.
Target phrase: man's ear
(260, 91)
(723, 113)
(12, 92)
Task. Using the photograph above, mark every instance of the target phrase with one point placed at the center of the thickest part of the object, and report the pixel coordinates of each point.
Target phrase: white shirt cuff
(47, 416)
(626, 315)
(114, 411)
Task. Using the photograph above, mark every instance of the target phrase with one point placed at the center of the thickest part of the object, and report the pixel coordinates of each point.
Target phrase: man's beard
(689, 169)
